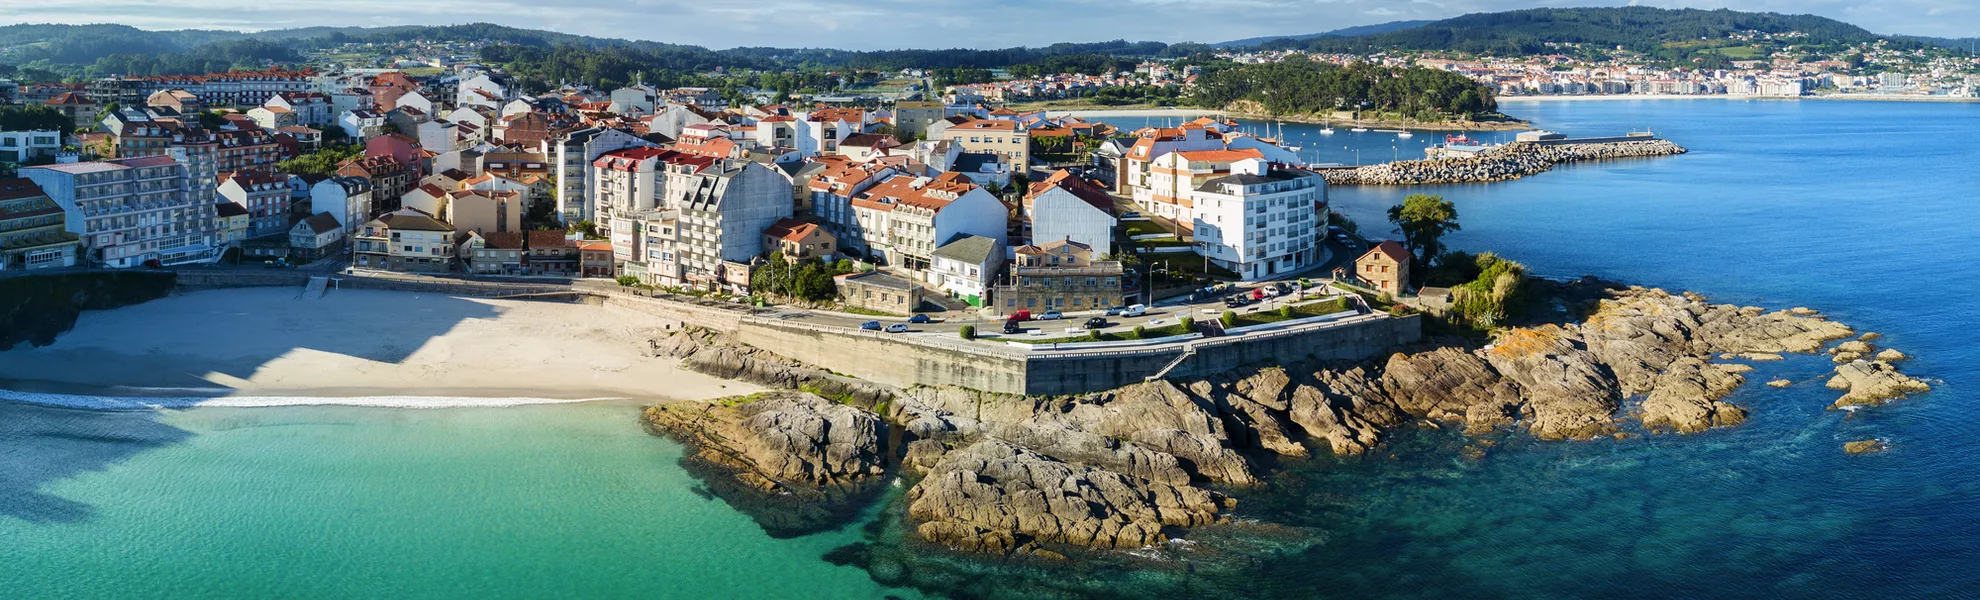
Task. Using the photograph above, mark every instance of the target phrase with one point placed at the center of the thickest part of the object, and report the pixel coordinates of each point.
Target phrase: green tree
(1188, 323)
(968, 332)
(1286, 311)
(1423, 220)
(1229, 318)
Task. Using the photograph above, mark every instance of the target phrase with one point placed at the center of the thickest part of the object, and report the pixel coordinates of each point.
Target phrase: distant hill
(1968, 45)
(1640, 28)
(1342, 32)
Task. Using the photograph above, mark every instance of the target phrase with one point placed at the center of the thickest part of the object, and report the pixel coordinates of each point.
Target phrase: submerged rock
(1864, 446)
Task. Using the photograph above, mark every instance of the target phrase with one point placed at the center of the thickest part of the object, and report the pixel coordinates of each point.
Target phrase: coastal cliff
(1139, 465)
(1500, 163)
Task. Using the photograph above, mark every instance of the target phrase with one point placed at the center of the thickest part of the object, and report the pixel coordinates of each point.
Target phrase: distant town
(885, 192)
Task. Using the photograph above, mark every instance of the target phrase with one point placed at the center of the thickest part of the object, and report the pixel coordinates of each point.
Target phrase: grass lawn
(1310, 309)
(1147, 334)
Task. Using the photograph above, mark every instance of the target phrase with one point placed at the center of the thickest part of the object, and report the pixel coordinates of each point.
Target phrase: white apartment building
(133, 210)
(1262, 220)
(572, 156)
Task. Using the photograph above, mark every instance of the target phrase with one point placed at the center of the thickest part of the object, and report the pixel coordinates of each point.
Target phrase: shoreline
(300, 398)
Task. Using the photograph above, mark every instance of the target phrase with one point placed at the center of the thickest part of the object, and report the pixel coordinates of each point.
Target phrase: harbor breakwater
(1500, 163)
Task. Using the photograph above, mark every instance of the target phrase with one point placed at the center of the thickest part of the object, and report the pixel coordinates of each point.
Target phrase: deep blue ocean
(1865, 211)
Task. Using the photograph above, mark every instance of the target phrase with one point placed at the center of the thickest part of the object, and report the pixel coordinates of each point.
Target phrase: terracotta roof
(790, 230)
(1219, 155)
(548, 239)
(69, 98)
(1390, 248)
(321, 223)
(19, 187)
(502, 240)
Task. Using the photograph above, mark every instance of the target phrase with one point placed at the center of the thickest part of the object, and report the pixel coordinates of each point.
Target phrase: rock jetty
(1501, 163)
(1139, 465)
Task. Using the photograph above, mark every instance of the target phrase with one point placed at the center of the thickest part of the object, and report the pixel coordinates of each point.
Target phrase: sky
(886, 24)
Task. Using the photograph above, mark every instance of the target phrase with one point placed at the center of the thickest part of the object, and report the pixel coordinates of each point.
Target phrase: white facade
(134, 210)
(573, 155)
(1261, 222)
(346, 198)
(1057, 214)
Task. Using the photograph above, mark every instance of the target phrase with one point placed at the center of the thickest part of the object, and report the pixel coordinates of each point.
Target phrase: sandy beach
(265, 347)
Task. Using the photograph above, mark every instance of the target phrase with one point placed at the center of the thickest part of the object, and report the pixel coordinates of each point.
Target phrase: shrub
(968, 332)
(627, 280)
(1140, 332)
(1188, 323)
(1286, 312)
(1229, 318)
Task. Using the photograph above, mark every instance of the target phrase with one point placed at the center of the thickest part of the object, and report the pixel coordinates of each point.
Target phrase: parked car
(1022, 315)
(897, 328)
(1096, 323)
(1269, 291)
(870, 326)
(1131, 214)
(1011, 327)
(1051, 315)
(1283, 287)
(1237, 301)
(919, 318)
(1135, 310)
(1115, 311)
(1257, 294)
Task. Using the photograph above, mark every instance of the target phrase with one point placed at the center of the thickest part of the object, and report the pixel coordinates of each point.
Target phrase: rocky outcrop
(786, 447)
(1133, 466)
(1872, 383)
(995, 497)
(1511, 161)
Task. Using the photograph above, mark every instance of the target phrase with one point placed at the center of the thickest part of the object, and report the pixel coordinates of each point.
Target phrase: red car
(1257, 294)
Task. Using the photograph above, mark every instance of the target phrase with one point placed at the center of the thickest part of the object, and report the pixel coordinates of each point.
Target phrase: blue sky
(880, 24)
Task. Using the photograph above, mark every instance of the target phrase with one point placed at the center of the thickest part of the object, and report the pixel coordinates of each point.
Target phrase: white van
(1135, 310)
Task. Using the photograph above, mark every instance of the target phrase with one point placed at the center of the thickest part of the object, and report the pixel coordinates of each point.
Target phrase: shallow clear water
(556, 501)
(1863, 210)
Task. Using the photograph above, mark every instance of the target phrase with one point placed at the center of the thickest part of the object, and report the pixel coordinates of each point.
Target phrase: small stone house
(799, 240)
(878, 291)
(1384, 267)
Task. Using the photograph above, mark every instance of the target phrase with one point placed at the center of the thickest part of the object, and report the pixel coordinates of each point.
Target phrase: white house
(348, 199)
(967, 267)
(361, 124)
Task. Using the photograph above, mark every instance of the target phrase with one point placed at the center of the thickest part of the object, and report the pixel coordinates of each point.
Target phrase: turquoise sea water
(1863, 210)
(563, 501)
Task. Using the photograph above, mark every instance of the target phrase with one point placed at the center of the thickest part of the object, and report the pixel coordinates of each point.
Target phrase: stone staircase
(1188, 351)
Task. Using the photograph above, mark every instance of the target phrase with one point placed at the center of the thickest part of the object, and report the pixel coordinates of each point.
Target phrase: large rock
(1346, 407)
(1867, 383)
(1686, 397)
(1569, 393)
(1451, 384)
(791, 459)
(995, 497)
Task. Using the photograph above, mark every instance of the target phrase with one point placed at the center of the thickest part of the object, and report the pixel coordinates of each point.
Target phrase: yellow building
(1003, 138)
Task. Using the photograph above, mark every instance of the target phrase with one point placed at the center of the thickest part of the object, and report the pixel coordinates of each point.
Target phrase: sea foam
(158, 402)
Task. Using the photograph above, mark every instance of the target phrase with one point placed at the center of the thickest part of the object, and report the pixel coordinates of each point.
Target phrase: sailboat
(1359, 129)
(1328, 129)
(1405, 134)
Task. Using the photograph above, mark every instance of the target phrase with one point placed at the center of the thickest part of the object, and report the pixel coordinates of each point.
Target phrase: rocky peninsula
(1499, 163)
(1138, 466)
